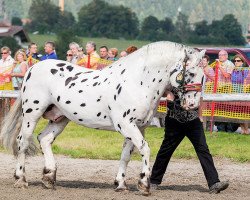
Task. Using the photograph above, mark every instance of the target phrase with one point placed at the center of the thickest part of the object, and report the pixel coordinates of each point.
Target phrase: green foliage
(11, 43)
(16, 21)
(47, 17)
(99, 19)
(62, 42)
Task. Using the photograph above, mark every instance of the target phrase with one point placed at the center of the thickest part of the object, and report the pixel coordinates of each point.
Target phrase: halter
(183, 88)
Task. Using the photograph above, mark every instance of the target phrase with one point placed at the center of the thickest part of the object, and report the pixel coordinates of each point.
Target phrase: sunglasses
(4, 52)
(69, 54)
(237, 60)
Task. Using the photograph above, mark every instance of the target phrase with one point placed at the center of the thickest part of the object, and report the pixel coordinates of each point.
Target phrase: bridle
(184, 88)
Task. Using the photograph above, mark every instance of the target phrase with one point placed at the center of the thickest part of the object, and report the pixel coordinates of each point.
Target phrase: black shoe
(219, 186)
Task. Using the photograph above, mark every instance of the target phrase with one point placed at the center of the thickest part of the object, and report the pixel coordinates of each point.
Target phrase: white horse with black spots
(122, 97)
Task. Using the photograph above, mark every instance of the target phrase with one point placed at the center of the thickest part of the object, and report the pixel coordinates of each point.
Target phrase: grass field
(120, 44)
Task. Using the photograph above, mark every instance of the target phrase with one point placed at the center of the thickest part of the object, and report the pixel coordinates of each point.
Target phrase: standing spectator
(92, 58)
(32, 55)
(178, 124)
(225, 68)
(6, 64)
(238, 78)
(69, 56)
(123, 54)
(74, 47)
(209, 75)
(113, 53)
(49, 49)
(20, 67)
(103, 50)
(131, 49)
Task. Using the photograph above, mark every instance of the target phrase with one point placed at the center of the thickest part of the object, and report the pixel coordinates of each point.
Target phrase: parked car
(213, 53)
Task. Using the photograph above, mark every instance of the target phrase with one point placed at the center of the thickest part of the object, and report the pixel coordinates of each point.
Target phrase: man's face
(48, 48)
(33, 49)
(223, 56)
(5, 54)
(89, 48)
(103, 52)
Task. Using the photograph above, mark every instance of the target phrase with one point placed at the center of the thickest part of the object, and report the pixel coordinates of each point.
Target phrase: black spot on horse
(95, 83)
(142, 175)
(119, 91)
(58, 98)
(105, 79)
(36, 102)
(72, 84)
(134, 109)
(78, 73)
(24, 88)
(80, 91)
(171, 73)
(96, 77)
(115, 97)
(123, 71)
(80, 120)
(68, 81)
(61, 69)
(53, 71)
(128, 111)
(118, 86)
(84, 80)
(158, 92)
(68, 102)
(160, 80)
(60, 64)
(105, 117)
(124, 114)
(119, 126)
(83, 105)
(98, 114)
(141, 82)
(109, 107)
(75, 113)
(70, 68)
(128, 138)
(28, 77)
(123, 175)
(154, 80)
(49, 107)
(29, 110)
(88, 72)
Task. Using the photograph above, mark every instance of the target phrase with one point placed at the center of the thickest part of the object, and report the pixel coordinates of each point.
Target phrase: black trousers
(174, 134)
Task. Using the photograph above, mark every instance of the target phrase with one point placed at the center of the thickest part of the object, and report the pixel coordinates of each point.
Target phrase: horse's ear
(202, 53)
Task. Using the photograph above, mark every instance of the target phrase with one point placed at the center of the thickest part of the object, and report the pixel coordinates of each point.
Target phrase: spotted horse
(122, 97)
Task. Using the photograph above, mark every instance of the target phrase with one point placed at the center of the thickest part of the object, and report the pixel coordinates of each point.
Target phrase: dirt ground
(93, 179)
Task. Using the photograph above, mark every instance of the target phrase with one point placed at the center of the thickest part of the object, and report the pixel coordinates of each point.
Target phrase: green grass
(81, 142)
(120, 44)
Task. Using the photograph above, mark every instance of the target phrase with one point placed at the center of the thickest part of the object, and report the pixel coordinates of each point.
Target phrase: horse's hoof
(21, 183)
(49, 178)
(145, 190)
(121, 187)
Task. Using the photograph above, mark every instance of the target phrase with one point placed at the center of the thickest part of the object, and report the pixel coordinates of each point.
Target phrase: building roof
(12, 31)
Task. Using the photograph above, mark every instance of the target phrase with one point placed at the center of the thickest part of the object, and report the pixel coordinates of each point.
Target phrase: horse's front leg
(128, 148)
(131, 132)
(46, 138)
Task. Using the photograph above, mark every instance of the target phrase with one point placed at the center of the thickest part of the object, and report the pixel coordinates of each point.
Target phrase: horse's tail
(11, 127)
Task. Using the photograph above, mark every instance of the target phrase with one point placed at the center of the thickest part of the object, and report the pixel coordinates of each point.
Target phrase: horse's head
(187, 78)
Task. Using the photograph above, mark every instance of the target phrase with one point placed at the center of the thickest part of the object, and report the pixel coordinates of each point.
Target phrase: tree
(16, 21)
(150, 29)
(201, 28)
(182, 27)
(11, 43)
(99, 19)
(62, 42)
(167, 25)
(47, 17)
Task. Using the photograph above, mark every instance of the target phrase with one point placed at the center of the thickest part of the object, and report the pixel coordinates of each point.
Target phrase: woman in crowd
(19, 69)
(112, 54)
(239, 76)
(69, 56)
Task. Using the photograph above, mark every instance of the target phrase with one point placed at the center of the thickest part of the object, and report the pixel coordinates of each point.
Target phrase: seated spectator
(103, 50)
(81, 53)
(123, 54)
(6, 64)
(92, 58)
(74, 47)
(239, 74)
(112, 54)
(49, 49)
(69, 56)
(32, 56)
(19, 69)
(209, 75)
(131, 49)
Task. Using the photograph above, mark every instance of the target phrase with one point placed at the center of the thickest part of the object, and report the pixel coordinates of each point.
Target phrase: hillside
(197, 10)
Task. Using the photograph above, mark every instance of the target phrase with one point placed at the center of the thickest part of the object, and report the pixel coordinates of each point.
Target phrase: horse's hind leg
(46, 138)
(128, 148)
(24, 146)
